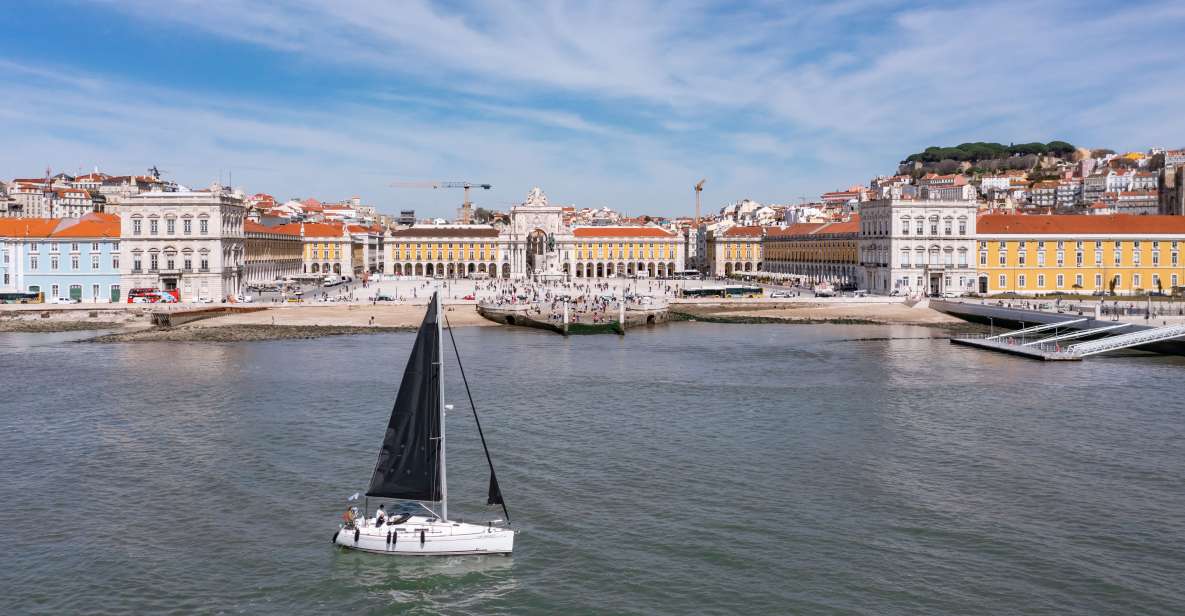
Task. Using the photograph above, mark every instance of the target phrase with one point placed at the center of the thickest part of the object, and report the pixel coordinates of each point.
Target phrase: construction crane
(699, 188)
(466, 212)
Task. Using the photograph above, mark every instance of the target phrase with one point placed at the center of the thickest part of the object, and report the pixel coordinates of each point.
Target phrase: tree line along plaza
(209, 244)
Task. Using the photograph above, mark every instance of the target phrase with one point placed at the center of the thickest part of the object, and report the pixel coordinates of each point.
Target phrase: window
(95, 292)
(204, 226)
(74, 247)
(946, 229)
(962, 227)
(1136, 280)
(1040, 281)
(1174, 259)
(53, 247)
(983, 258)
(1156, 258)
(1078, 258)
(1020, 259)
(95, 246)
(53, 263)
(205, 263)
(1040, 258)
(1020, 281)
(170, 263)
(54, 291)
(1061, 258)
(153, 226)
(115, 261)
(934, 226)
(74, 262)
(1061, 281)
(1003, 259)
(1118, 258)
(1098, 257)
(1173, 280)
(1078, 280)
(94, 262)
(1003, 282)
(905, 226)
(963, 257)
(1061, 245)
(153, 262)
(187, 226)
(1136, 257)
(905, 258)
(171, 226)
(1098, 281)
(921, 227)
(32, 263)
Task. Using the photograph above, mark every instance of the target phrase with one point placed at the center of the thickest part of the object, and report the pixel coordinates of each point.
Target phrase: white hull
(424, 536)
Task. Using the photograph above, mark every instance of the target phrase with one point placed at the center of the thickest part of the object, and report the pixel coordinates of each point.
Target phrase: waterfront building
(328, 247)
(814, 252)
(1119, 254)
(75, 258)
(271, 253)
(734, 250)
(189, 241)
(604, 251)
(452, 251)
(917, 246)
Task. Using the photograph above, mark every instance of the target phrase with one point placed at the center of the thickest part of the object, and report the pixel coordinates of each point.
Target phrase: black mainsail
(409, 460)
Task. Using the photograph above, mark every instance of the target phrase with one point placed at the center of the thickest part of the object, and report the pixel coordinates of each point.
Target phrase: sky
(618, 104)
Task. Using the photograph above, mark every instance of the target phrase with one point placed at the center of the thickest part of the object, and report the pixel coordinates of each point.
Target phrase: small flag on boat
(355, 496)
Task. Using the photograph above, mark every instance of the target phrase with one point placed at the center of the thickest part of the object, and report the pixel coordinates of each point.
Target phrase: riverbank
(285, 322)
(807, 313)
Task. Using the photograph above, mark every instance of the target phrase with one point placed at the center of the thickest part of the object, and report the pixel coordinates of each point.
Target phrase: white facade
(915, 247)
(191, 241)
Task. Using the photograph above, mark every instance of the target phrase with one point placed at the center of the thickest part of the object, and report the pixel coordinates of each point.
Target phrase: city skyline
(626, 107)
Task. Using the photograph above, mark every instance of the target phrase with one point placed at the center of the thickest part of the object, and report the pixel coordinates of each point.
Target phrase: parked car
(949, 293)
(204, 300)
(65, 300)
(382, 297)
(778, 294)
(244, 299)
(469, 297)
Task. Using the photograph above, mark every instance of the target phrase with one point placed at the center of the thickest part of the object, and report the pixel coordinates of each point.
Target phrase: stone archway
(600, 270)
(536, 244)
(650, 270)
(728, 269)
(397, 269)
(506, 270)
(315, 268)
(429, 269)
(419, 269)
(337, 268)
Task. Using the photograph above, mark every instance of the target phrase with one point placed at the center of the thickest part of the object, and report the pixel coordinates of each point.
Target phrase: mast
(440, 383)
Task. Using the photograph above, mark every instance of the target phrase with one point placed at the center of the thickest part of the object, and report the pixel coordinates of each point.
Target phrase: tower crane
(466, 212)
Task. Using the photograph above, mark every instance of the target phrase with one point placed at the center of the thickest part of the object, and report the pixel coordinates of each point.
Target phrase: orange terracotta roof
(254, 227)
(430, 231)
(1114, 224)
(312, 229)
(744, 232)
(27, 227)
(621, 232)
(90, 225)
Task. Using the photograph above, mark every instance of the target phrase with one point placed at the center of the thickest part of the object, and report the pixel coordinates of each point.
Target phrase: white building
(191, 241)
(917, 246)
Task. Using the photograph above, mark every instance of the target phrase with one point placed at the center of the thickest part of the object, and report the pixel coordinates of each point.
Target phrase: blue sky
(621, 104)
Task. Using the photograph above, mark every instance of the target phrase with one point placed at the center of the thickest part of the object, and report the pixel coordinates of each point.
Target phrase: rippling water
(692, 468)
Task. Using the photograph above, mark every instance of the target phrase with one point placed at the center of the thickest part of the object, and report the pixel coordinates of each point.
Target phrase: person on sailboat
(380, 516)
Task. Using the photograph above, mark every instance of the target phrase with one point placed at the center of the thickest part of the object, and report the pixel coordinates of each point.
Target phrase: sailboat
(411, 468)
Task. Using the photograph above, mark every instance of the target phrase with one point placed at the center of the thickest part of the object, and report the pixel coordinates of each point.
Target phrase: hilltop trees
(986, 151)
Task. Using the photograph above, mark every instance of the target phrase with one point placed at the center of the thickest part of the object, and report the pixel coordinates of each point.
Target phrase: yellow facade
(1047, 264)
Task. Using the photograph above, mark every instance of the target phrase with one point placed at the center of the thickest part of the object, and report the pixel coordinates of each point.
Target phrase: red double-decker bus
(149, 295)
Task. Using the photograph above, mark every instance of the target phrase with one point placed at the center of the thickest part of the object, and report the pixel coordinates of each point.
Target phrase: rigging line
(472, 406)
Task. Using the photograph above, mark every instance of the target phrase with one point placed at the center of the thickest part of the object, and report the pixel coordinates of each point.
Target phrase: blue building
(75, 258)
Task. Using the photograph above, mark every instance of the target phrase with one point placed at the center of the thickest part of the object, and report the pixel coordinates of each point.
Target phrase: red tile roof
(429, 231)
(1115, 224)
(90, 225)
(744, 232)
(311, 229)
(27, 227)
(621, 232)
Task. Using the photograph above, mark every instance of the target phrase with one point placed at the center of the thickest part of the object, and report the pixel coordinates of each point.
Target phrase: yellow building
(813, 252)
(327, 247)
(625, 251)
(1123, 254)
(737, 249)
(453, 251)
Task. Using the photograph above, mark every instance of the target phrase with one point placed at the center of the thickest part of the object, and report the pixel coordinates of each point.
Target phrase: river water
(687, 469)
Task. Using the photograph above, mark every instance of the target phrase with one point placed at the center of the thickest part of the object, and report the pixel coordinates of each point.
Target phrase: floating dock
(1052, 336)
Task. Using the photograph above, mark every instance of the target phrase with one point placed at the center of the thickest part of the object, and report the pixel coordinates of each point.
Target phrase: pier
(1060, 336)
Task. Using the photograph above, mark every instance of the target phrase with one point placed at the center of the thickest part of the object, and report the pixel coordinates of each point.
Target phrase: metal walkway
(1125, 341)
(1082, 333)
(1034, 329)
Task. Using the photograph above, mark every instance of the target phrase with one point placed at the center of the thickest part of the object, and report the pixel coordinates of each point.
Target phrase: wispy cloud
(620, 103)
